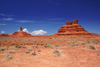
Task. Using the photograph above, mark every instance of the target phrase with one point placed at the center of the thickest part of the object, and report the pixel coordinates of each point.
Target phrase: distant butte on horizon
(69, 29)
(73, 28)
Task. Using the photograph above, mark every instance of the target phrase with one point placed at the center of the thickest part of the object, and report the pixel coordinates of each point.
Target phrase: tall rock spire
(21, 29)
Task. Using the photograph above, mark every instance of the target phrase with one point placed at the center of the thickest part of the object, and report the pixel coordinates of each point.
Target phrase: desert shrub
(35, 46)
(35, 41)
(72, 44)
(83, 43)
(96, 41)
(33, 53)
(57, 45)
(7, 47)
(92, 47)
(57, 52)
(48, 45)
(88, 41)
(39, 50)
(9, 42)
(18, 46)
(23, 46)
(12, 51)
(76, 44)
(8, 56)
(15, 48)
(13, 43)
(98, 54)
(41, 41)
(29, 49)
(68, 42)
(2, 48)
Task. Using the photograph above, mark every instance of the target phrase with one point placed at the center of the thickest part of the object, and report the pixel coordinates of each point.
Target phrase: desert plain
(49, 52)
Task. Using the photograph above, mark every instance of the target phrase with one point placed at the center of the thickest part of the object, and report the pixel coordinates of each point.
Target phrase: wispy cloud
(7, 19)
(5, 15)
(24, 21)
(56, 19)
(2, 24)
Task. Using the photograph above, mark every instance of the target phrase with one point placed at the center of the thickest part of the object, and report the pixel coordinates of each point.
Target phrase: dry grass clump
(57, 52)
(83, 43)
(57, 45)
(33, 53)
(29, 49)
(2, 48)
(8, 56)
(39, 50)
(73, 44)
(92, 47)
(35, 46)
(17, 46)
(23, 46)
(48, 45)
(27, 52)
(11, 51)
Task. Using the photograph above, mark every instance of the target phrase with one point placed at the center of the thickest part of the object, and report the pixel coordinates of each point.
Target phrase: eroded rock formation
(21, 33)
(73, 28)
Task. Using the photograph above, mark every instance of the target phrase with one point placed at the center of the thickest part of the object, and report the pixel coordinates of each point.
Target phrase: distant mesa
(21, 33)
(73, 28)
(4, 35)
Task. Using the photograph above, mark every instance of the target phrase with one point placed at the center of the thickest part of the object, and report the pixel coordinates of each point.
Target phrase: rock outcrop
(73, 28)
(21, 33)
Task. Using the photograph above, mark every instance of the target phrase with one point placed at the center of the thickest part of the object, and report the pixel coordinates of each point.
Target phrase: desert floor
(49, 52)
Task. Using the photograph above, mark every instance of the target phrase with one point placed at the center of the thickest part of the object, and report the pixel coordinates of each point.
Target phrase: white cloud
(2, 24)
(38, 32)
(2, 32)
(7, 19)
(25, 30)
(24, 21)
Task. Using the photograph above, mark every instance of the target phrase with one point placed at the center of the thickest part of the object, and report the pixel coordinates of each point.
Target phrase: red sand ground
(76, 56)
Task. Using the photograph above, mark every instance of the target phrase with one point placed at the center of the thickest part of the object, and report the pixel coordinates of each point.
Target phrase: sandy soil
(73, 52)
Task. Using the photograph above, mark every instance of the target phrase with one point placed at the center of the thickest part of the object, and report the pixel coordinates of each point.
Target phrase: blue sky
(47, 16)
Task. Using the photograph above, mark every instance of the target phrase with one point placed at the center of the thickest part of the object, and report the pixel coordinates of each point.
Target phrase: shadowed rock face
(73, 28)
(21, 33)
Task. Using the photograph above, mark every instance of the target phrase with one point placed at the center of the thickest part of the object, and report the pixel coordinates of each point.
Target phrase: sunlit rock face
(73, 28)
(21, 33)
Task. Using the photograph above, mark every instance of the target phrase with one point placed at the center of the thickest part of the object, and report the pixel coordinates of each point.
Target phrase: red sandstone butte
(73, 28)
(21, 33)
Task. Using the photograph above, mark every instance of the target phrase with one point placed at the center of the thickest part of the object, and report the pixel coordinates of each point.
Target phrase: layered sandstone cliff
(21, 33)
(73, 28)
